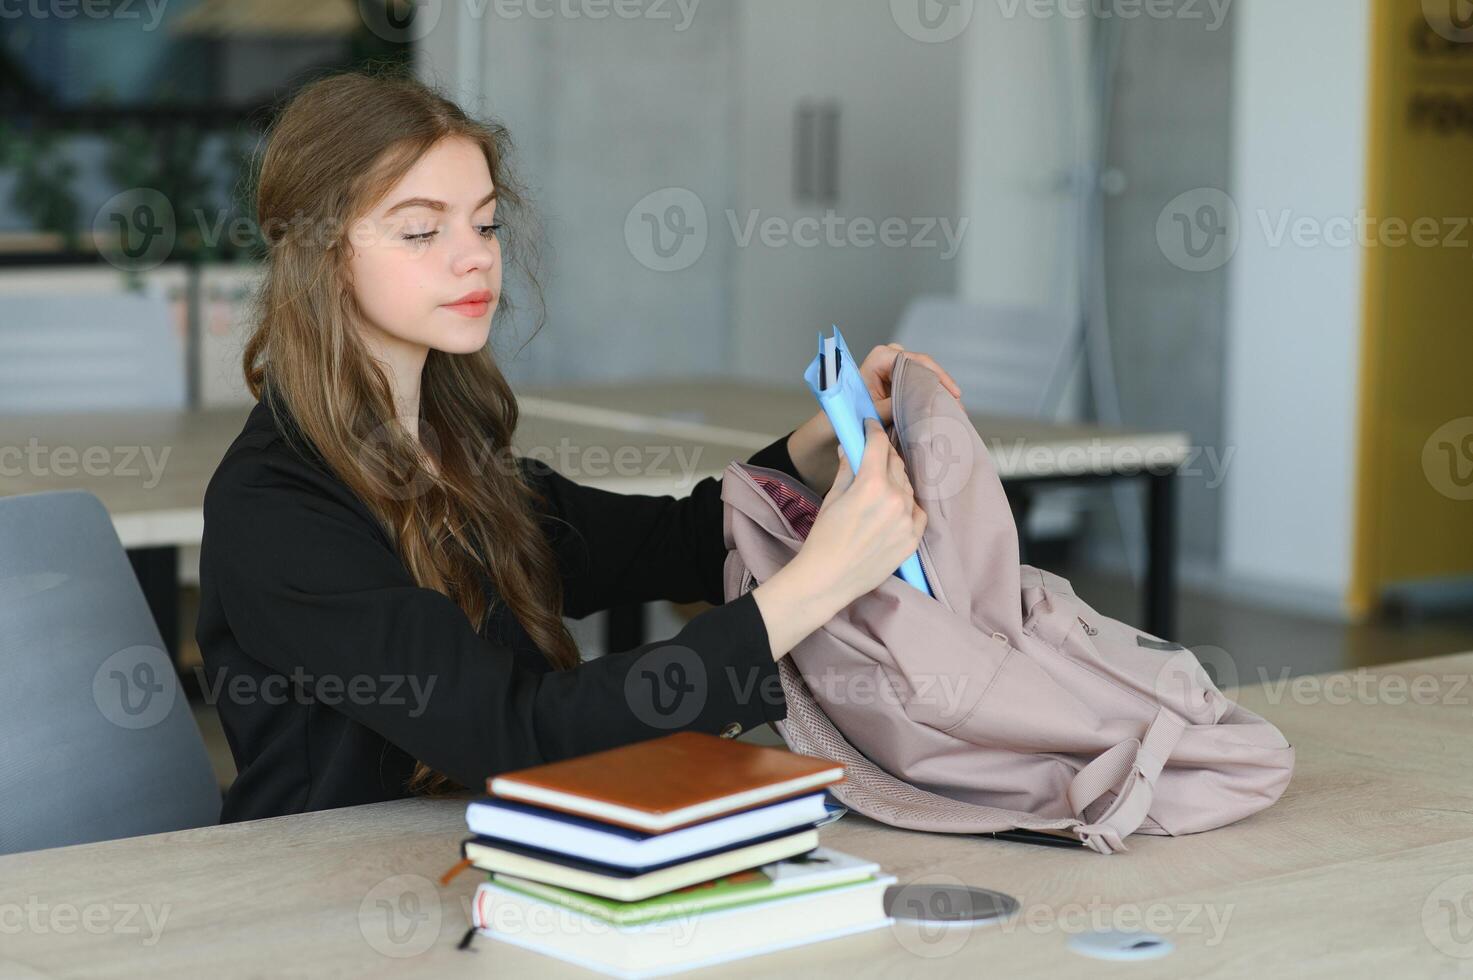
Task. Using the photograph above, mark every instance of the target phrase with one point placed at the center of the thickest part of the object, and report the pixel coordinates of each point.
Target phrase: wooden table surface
(150, 469)
(1363, 868)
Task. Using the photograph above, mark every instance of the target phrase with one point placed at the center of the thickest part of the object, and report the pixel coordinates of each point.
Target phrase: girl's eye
(485, 231)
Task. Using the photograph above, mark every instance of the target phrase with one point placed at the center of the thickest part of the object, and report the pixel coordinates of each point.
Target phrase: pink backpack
(1005, 701)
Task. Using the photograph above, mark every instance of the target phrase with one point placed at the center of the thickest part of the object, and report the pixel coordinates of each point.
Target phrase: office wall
(898, 159)
(1026, 102)
(1171, 134)
(603, 113)
(608, 112)
(1299, 145)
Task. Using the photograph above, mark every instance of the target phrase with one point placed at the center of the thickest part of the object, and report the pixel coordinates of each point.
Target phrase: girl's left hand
(879, 368)
(813, 445)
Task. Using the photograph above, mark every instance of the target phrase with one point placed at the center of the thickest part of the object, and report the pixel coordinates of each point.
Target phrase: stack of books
(678, 852)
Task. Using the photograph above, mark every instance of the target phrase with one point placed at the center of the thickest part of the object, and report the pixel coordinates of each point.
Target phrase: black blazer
(333, 671)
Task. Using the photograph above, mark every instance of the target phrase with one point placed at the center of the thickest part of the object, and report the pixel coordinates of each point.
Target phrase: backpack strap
(1129, 770)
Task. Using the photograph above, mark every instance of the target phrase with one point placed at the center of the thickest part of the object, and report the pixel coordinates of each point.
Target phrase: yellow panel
(1415, 456)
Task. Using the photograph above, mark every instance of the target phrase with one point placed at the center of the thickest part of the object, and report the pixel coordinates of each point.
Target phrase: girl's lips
(472, 310)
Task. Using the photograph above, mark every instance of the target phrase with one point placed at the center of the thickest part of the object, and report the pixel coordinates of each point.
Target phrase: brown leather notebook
(668, 782)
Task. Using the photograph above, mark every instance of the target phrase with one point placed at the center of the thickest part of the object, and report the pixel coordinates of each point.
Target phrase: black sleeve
(308, 580)
(621, 548)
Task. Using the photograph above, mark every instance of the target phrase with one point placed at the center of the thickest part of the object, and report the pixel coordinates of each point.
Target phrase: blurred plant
(43, 180)
(165, 159)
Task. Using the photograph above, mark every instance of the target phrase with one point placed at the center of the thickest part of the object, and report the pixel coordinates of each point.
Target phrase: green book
(820, 868)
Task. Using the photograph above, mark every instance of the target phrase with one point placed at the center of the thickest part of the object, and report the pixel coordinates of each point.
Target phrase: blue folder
(847, 403)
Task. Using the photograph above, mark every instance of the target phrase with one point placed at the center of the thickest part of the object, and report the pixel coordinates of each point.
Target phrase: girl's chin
(467, 340)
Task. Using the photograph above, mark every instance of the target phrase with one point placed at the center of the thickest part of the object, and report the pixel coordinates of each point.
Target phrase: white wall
(1017, 152)
(1294, 314)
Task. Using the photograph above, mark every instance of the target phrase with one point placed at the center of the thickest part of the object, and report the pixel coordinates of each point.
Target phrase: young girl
(383, 581)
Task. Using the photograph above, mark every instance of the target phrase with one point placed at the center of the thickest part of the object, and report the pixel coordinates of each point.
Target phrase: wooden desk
(150, 469)
(1363, 868)
(1029, 454)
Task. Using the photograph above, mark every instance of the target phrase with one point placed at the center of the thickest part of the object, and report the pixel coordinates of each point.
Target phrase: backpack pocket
(1154, 672)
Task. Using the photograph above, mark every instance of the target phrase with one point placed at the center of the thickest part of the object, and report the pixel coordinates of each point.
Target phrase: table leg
(625, 628)
(1160, 612)
(157, 570)
(1020, 499)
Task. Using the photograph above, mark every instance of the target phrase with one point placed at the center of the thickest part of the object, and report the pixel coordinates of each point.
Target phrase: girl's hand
(813, 445)
(868, 524)
(878, 370)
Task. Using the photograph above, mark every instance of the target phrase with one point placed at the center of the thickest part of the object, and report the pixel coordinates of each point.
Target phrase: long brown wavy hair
(331, 154)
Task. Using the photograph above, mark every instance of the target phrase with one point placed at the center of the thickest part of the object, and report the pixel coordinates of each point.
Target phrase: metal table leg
(624, 629)
(157, 570)
(1160, 611)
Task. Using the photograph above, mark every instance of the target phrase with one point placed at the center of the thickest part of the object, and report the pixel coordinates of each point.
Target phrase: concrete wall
(1171, 134)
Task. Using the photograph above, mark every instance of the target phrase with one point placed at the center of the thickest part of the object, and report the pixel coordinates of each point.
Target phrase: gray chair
(1009, 361)
(97, 740)
(1006, 359)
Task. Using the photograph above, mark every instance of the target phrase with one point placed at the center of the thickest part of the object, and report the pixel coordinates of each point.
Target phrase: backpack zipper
(803, 490)
(922, 551)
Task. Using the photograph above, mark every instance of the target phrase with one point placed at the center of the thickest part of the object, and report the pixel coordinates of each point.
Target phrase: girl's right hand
(868, 523)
